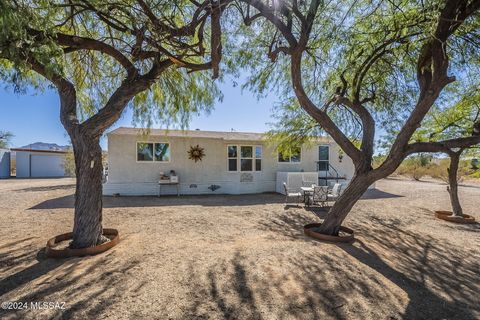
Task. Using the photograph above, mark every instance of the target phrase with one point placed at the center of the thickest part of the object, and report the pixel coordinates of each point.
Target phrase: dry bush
(69, 164)
(415, 167)
(440, 170)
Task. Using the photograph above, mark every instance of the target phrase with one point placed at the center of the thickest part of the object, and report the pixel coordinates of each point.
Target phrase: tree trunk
(343, 205)
(453, 184)
(87, 228)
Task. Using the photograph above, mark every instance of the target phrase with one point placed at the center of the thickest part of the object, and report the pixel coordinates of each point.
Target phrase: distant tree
(103, 56)
(370, 60)
(461, 118)
(69, 164)
(5, 137)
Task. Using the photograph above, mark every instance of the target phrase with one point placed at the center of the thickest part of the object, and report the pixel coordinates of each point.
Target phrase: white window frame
(255, 158)
(239, 157)
(290, 159)
(153, 152)
(242, 158)
(230, 158)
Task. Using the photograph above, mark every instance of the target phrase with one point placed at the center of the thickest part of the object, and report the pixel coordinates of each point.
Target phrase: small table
(307, 191)
(167, 183)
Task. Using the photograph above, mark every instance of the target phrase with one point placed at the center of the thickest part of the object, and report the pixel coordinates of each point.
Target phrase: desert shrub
(474, 164)
(417, 172)
(69, 164)
(412, 170)
(474, 175)
(378, 160)
(420, 166)
(439, 170)
(415, 167)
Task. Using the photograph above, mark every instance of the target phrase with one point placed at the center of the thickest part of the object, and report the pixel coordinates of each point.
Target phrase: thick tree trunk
(87, 228)
(343, 205)
(453, 184)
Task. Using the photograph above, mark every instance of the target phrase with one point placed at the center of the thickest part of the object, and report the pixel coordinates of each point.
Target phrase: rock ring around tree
(53, 250)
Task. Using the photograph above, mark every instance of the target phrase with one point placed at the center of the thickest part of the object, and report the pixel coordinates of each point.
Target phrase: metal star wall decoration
(196, 153)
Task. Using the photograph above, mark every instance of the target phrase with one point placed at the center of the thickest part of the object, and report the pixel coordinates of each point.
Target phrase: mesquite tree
(102, 57)
(374, 59)
(460, 119)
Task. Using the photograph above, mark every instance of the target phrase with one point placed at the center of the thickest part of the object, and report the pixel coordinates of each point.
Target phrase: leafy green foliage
(5, 137)
(345, 40)
(95, 75)
(177, 96)
(455, 116)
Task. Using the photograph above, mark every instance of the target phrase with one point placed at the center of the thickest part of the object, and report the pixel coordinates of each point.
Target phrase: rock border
(324, 237)
(51, 252)
(447, 216)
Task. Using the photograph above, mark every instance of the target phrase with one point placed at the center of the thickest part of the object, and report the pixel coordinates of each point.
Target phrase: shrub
(69, 164)
(414, 167)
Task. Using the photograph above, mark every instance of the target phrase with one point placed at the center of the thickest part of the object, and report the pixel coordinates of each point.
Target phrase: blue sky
(34, 117)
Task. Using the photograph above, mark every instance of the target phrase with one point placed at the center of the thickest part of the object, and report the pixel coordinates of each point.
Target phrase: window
(258, 158)
(323, 158)
(162, 152)
(248, 159)
(294, 158)
(144, 151)
(232, 158)
(149, 151)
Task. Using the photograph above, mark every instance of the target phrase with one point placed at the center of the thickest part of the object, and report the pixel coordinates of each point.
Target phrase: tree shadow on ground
(47, 188)
(89, 286)
(372, 194)
(441, 280)
(242, 288)
(150, 201)
(388, 273)
(471, 227)
(15, 257)
(68, 201)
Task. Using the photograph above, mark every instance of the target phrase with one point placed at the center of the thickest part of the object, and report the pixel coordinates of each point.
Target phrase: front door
(323, 164)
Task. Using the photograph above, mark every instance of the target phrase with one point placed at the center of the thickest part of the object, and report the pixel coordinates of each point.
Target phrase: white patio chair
(335, 193)
(289, 193)
(320, 195)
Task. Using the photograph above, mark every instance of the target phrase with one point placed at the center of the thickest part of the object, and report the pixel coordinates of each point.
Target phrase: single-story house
(208, 162)
(32, 163)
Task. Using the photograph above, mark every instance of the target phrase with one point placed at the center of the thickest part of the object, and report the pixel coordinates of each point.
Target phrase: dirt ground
(243, 257)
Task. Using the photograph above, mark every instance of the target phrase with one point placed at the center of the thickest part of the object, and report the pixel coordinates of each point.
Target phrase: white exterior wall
(39, 164)
(127, 176)
(4, 164)
(22, 163)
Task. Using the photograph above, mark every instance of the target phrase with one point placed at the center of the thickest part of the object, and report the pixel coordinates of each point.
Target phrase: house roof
(225, 135)
(36, 150)
(250, 136)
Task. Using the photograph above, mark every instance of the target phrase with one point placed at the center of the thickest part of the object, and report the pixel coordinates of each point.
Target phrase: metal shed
(39, 163)
(4, 163)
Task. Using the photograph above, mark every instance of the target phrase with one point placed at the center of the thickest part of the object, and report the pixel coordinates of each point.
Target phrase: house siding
(127, 176)
(4, 164)
(39, 164)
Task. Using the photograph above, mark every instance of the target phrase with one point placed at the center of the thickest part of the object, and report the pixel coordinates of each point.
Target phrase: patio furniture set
(312, 194)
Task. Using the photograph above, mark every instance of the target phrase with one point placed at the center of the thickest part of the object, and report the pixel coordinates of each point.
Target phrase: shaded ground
(243, 257)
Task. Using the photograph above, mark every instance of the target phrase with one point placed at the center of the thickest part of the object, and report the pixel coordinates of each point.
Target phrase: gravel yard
(243, 257)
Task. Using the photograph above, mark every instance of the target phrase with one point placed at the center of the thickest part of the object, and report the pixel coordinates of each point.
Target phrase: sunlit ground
(243, 257)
